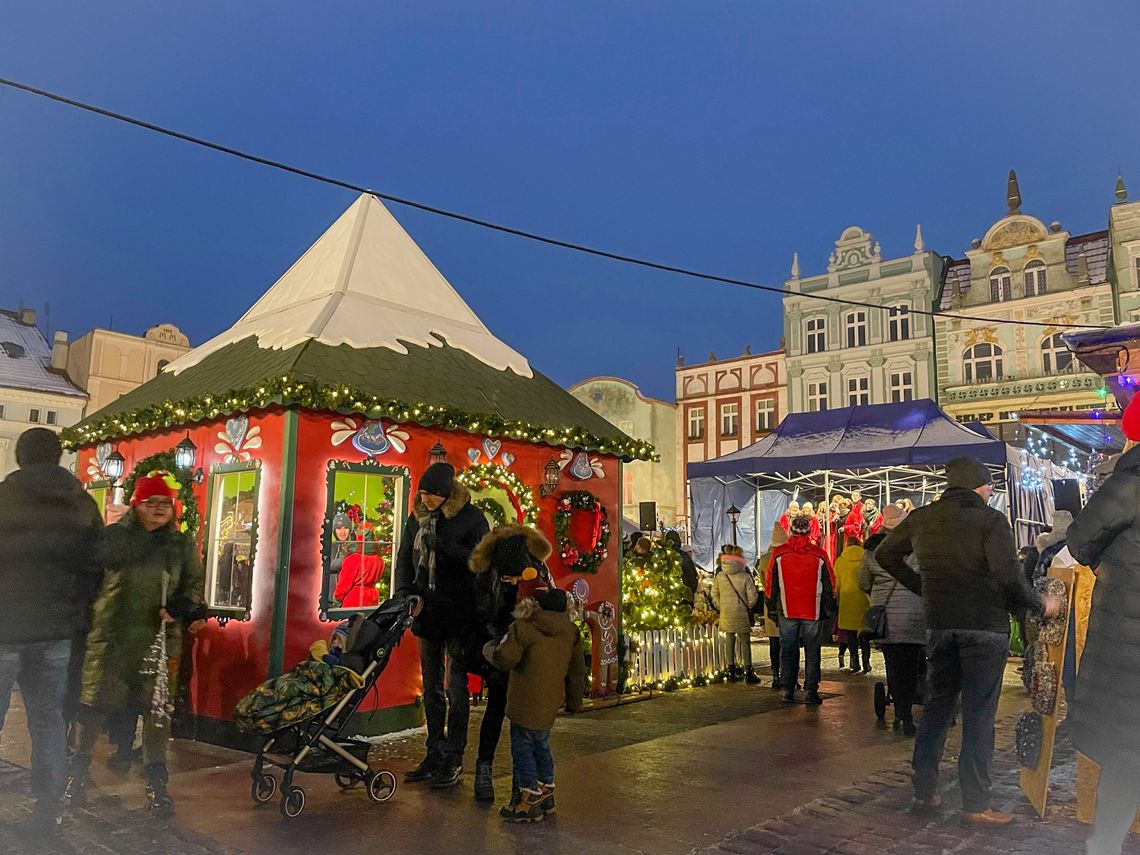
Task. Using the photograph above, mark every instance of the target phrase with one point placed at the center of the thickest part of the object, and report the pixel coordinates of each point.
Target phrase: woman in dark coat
(1105, 716)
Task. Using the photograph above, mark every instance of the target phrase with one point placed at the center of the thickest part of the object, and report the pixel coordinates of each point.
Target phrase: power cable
(522, 233)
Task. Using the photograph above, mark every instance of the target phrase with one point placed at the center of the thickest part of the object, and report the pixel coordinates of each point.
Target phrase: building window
(898, 323)
(817, 396)
(858, 391)
(1034, 278)
(697, 423)
(1136, 271)
(855, 326)
(816, 335)
(765, 414)
(364, 509)
(1, 411)
(162, 363)
(34, 416)
(1055, 357)
(729, 419)
(1001, 285)
(231, 537)
(982, 363)
(902, 386)
(52, 417)
(13, 350)
(627, 485)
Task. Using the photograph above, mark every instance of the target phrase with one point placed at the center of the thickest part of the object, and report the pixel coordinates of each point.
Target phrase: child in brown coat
(543, 651)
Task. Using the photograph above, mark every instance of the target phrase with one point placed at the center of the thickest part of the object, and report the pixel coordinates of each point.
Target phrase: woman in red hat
(153, 583)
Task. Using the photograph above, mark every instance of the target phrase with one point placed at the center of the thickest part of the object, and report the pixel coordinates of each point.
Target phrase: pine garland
(484, 475)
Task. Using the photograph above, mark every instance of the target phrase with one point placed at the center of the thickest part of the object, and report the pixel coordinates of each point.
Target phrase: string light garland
(286, 391)
(653, 594)
(483, 476)
(578, 560)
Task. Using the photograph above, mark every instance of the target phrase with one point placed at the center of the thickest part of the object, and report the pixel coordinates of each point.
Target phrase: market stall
(299, 435)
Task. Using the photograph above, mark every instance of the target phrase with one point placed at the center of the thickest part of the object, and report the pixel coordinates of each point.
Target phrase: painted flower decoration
(370, 438)
(236, 441)
(95, 467)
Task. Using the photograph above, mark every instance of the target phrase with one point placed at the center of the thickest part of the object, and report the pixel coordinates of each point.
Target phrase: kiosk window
(232, 537)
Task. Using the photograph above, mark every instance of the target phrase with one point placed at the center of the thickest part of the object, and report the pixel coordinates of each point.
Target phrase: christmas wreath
(577, 560)
(164, 462)
(483, 476)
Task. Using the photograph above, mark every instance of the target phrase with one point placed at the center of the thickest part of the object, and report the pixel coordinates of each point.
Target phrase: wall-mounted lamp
(550, 473)
(185, 453)
(438, 454)
(113, 466)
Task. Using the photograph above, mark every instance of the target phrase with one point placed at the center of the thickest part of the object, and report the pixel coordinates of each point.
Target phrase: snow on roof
(25, 359)
(364, 283)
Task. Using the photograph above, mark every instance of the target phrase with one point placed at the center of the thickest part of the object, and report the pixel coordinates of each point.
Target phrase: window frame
(2, 411)
(970, 363)
(815, 334)
(1051, 347)
(855, 328)
(51, 417)
(327, 611)
(217, 475)
(901, 392)
(724, 416)
(898, 321)
(696, 414)
(769, 411)
(34, 415)
(861, 396)
(820, 400)
(1001, 285)
(1037, 271)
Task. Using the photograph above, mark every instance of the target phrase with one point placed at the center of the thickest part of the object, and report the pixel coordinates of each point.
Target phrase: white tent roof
(364, 283)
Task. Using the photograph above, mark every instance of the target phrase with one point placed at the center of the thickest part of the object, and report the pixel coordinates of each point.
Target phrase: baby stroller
(884, 698)
(303, 714)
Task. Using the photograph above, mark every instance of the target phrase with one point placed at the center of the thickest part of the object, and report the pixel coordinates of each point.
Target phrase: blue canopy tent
(885, 450)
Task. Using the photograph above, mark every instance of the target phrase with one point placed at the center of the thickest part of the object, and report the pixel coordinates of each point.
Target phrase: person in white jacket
(734, 594)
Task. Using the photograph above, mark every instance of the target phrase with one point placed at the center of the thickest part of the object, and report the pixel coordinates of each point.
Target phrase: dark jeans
(793, 633)
(904, 664)
(40, 668)
(1117, 801)
(530, 753)
(494, 713)
(446, 706)
(857, 646)
(774, 657)
(969, 662)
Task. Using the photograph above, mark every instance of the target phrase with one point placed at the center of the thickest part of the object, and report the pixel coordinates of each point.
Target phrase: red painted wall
(229, 661)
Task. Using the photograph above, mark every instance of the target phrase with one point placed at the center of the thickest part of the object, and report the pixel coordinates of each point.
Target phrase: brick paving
(872, 816)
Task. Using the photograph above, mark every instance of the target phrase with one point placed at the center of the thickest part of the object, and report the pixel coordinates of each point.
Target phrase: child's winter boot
(527, 809)
(158, 801)
(547, 790)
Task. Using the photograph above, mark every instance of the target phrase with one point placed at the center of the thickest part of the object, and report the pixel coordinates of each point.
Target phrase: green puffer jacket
(125, 620)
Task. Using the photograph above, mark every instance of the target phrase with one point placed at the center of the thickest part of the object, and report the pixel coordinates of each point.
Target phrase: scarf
(424, 550)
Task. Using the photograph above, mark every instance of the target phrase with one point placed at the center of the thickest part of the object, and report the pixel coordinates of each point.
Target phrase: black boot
(424, 771)
(158, 801)
(484, 787)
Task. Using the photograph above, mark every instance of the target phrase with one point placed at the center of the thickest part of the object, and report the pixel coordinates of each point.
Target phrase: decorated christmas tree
(653, 595)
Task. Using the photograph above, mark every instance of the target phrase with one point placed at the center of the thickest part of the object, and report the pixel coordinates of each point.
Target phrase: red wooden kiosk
(304, 428)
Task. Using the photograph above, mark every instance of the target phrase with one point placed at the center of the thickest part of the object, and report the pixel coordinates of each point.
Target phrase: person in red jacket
(800, 588)
(359, 573)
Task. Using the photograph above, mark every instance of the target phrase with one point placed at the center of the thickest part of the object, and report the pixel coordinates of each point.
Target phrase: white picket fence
(657, 655)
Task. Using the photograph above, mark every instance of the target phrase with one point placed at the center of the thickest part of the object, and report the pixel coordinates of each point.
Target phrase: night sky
(715, 135)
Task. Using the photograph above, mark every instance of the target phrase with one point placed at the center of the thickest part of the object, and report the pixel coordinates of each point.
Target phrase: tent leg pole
(887, 477)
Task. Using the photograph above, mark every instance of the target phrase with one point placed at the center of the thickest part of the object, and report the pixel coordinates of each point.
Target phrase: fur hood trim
(526, 609)
(536, 544)
(457, 501)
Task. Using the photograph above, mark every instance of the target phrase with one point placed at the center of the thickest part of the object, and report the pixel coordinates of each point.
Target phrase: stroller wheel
(382, 786)
(345, 782)
(263, 789)
(292, 802)
(880, 701)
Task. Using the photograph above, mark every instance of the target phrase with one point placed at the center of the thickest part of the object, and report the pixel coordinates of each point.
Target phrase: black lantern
(550, 474)
(438, 453)
(733, 517)
(113, 466)
(185, 453)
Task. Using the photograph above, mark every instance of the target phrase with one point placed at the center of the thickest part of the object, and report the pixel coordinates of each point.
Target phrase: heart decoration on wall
(581, 465)
(371, 438)
(491, 447)
(473, 455)
(236, 440)
(236, 429)
(507, 458)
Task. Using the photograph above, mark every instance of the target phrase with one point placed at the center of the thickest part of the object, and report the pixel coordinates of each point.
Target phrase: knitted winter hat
(892, 516)
(341, 520)
(967, 472)
(553, 600)
(1130, 421)
(438, 479)
(152, 485)
(801, 525)
(38, 445)
(1027, 739)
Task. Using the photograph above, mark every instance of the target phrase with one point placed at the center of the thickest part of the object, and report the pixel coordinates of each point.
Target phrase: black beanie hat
(38, 445)
(967, 472)
(438, 479)
(553, 600)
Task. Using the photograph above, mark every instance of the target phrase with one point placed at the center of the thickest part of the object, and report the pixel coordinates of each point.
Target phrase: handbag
(875, 619)
(751, 611)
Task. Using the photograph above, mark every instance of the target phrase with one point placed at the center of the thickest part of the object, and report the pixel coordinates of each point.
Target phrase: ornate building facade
(724, 405)
(841, 355)
(1022, 270)
(1124, 271)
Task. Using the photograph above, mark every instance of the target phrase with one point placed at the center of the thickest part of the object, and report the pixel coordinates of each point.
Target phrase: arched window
(1034, 278)
(1055, 357)
(1001, 285)
(162, 363)
(982, 363)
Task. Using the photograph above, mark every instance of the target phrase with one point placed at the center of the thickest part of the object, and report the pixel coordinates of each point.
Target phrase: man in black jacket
(970, 581)
(439, 535)
(49, 537)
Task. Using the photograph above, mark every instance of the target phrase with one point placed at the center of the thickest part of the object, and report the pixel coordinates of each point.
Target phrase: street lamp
(438, 453)
(550, 474)
(733, 517)
(185, 453)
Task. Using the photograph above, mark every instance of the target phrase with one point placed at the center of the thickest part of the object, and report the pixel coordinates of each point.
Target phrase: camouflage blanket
(309, 689)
